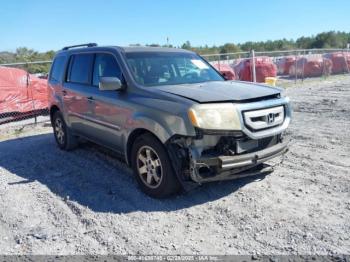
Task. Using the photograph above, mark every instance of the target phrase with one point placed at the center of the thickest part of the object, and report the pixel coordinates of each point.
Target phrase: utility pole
(253, 65)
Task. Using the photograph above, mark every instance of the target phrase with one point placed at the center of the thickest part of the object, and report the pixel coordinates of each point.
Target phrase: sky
(49, 25)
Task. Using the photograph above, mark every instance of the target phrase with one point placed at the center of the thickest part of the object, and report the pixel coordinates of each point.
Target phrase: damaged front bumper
(216, 158)
(228, 167)
(230, 162)
(207, 169)
(214, 155)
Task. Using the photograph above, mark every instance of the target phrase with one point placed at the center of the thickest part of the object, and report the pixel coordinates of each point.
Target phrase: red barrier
(341, 62)
(264, 67)
(311, 67)
(21, 92)
(227, 70)
(284, 64)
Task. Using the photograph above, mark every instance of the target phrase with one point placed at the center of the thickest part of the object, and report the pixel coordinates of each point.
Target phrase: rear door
(55, 79)
(77, 92)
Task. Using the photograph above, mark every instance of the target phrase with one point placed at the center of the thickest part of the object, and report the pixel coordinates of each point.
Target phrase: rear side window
(80, 68)
(105, 65)
(57, 69)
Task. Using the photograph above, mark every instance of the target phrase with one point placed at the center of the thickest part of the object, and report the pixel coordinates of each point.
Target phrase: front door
(108, 109)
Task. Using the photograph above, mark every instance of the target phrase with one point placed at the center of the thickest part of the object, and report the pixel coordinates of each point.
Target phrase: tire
(63, 135)
(152, 167)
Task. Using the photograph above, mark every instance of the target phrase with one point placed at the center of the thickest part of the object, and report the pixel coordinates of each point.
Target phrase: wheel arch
(53, 110)
(131, 139)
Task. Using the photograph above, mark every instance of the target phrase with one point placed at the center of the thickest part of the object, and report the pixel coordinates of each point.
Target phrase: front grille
(261, 119)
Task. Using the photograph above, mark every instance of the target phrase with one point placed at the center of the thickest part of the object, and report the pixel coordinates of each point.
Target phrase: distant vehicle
(174, 118)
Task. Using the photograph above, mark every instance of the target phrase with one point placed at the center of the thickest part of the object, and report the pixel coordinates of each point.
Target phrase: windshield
(161, 68)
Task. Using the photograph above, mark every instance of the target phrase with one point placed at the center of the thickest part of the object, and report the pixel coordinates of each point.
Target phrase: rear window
(80, 68)
(57, 69)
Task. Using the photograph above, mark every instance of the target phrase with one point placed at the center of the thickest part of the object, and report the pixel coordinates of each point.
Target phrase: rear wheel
(63, 135)
(152, 167)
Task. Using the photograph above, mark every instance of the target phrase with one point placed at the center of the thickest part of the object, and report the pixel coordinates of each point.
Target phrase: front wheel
(152, 167)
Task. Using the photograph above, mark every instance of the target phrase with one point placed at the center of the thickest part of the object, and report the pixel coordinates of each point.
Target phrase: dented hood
(218, 91)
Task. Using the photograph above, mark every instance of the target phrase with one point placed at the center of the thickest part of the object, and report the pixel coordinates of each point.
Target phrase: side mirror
(110, 84)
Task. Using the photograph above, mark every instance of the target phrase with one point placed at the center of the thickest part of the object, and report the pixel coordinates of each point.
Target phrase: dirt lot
(87, 201)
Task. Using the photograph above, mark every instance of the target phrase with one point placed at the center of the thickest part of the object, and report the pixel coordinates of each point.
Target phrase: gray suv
(177, 121)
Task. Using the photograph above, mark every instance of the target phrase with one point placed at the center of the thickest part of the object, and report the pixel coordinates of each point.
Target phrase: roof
(135, 49)
(126, 49)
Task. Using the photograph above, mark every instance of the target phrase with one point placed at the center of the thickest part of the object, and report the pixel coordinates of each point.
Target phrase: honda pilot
(175, 119)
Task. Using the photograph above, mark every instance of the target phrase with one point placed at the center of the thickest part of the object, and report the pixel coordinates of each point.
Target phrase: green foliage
(186, 45)
(23, 54)
(330, 39)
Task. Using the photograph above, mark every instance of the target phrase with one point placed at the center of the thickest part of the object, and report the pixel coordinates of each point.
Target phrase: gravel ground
(87, 202)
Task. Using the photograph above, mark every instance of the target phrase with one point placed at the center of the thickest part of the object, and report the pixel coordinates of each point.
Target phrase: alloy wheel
(59, 131)
(149, 167)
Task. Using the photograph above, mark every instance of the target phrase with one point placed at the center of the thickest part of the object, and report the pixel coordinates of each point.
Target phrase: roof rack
(74, 46)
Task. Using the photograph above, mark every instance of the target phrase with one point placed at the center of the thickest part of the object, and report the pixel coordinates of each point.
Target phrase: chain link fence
(23, 96)
(284, 66)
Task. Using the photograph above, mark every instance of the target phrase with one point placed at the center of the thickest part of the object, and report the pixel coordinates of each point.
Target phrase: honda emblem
(270, 118)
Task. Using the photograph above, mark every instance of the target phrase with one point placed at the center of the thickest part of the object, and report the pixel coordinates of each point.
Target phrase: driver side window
(105, 65)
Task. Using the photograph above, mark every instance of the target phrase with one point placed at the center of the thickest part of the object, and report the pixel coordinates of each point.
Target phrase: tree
(154, 45)
(305, 42)
(186, 45)
(229, 48)
(331, 39)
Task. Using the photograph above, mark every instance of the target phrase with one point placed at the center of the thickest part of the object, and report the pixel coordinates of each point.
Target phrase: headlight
(221, 116)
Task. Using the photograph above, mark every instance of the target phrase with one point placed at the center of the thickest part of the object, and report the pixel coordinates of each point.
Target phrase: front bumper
(230, 167)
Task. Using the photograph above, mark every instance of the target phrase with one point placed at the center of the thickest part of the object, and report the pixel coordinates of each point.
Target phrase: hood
(219, 91)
